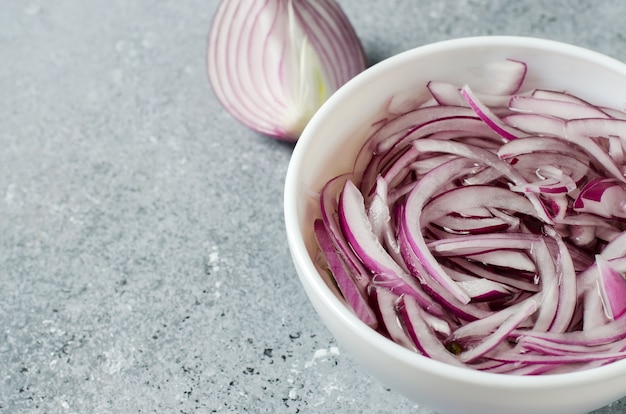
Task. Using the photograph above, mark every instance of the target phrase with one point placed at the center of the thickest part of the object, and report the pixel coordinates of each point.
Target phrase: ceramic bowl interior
(328, 147)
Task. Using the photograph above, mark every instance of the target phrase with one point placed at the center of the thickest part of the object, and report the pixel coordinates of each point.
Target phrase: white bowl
(328, 147)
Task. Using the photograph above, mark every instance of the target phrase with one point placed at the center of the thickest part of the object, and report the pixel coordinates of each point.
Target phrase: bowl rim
(314, 284)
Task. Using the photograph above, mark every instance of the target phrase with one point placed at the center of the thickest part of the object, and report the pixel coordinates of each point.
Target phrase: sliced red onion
(477, 196)
(505, 259)
(597, 127)
(510, 279)
(616, 149)
(557, 108)
(414, 205)
(593, 315)
(582, 132)
(500, 77)
(502, 332)
(605, 333)
(439, 325)
(534, 145)
(536, 124)
(472, 245)
(552, 348)
(613, 113)
(356, 227)
(562, 96)
(547, 186)
(375, 154)
(545, 165)
(408, 100)
(448, 94)
(487, 115)
(422, 334)
(342, 276)
(487, 158)
(442, 294)
(612, 287)
(604, 197)
(378, 211)
(567, 287)
(549, 296)
(616, 248)
(386, 305)
(393, 131)
(387, 150)
(328, 202)
(477, 227)
(273, 63)
(484, 289)
(476, 330)
(533, 358)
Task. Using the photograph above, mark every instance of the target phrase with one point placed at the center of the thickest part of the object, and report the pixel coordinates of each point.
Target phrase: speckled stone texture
(143, 261)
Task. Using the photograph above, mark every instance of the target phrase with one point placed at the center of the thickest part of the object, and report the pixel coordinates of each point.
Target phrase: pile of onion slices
(486, 228)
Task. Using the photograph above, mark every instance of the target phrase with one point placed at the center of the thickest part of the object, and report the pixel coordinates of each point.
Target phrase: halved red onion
(273, 63)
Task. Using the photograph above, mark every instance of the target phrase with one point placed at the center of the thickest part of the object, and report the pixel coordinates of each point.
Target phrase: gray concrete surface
(143, 262)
